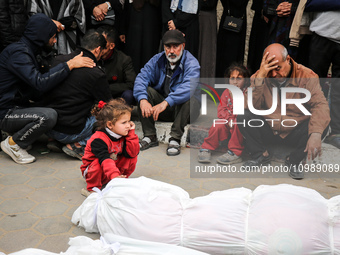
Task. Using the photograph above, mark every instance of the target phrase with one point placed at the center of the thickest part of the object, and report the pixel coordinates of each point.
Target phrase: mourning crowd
(74, 70)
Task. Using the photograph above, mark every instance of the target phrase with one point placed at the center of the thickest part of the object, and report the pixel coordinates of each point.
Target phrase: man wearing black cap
(22, 81)
(162, 90)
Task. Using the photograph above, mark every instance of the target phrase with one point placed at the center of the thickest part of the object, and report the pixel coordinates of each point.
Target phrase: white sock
(173, 142)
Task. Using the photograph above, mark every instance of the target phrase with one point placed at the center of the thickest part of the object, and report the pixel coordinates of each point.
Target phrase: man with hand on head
(296, 128)
(164, 90)
(21, 81)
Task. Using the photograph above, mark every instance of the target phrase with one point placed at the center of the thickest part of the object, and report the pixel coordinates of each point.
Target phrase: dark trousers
(181, 115)
(324, 52)
(257, 138)
(127, 95)
(26, 125)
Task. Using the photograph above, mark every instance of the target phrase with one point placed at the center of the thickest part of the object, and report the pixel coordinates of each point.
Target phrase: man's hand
(60, 27)
(283, 9)
(98, 14)
(121, 176)
(157, 109)
(171, 25)
(132, 125)
(267, 64)
(80, 61)
(313, 147)
(104, 8)
(146, 108)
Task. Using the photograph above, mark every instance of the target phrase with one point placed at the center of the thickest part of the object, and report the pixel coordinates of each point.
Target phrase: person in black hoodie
(21, 81)
(74, 98)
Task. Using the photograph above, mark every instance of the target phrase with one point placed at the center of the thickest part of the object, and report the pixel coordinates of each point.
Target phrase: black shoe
(259, 161)
(55, 146)
(295, 171)
(333, 140)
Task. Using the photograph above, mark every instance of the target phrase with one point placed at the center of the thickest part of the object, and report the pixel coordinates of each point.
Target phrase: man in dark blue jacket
(164, 90)
(21, 81)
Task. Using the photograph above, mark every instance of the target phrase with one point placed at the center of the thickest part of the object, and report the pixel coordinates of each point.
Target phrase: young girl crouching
(112, 150)
(237, 75)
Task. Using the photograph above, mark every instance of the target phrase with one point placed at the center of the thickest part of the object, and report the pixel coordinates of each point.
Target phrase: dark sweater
(74, 98)
(119, 73)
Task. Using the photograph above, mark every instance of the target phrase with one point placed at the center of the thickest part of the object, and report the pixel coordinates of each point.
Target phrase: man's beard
(47, 48)
(174, 60)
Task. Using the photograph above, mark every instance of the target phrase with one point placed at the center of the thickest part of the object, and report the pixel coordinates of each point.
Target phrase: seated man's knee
(50, 117)
(183, 108)
(187, 104)
(151, 91)
(128, 97)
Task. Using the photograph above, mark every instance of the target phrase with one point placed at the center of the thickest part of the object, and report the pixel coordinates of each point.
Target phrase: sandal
(76, 152)
(174, 148)
(147, 143)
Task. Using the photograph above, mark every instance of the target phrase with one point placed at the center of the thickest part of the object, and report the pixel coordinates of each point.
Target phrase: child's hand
(132, 125)
(121, 176)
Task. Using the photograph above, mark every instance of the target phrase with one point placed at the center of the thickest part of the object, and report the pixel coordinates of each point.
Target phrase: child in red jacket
(112, 151)
(237, 75)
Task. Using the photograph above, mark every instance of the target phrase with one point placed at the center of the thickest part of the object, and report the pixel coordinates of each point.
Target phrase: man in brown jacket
(302, 126)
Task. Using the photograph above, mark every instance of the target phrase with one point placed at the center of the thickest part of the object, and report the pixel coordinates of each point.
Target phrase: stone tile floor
(37, 200)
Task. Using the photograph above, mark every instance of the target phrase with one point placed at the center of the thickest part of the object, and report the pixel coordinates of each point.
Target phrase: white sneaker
(18, 154)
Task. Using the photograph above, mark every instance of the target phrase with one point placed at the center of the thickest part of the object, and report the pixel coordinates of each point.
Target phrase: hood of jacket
(39, 29)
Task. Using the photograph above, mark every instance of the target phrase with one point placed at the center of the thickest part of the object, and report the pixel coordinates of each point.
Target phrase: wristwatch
(108, 6)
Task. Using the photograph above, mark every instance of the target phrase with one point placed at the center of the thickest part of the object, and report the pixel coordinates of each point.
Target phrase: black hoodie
(20, 77)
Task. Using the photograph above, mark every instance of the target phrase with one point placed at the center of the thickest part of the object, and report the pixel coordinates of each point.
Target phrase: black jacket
(207, 5)
(74, 98)
(119, 73)
(13, 19)
(20, 78)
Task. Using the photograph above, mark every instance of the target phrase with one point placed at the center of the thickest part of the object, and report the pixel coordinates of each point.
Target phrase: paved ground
(37, 200)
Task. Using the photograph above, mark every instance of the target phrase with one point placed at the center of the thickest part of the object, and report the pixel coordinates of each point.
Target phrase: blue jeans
(81, 138)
